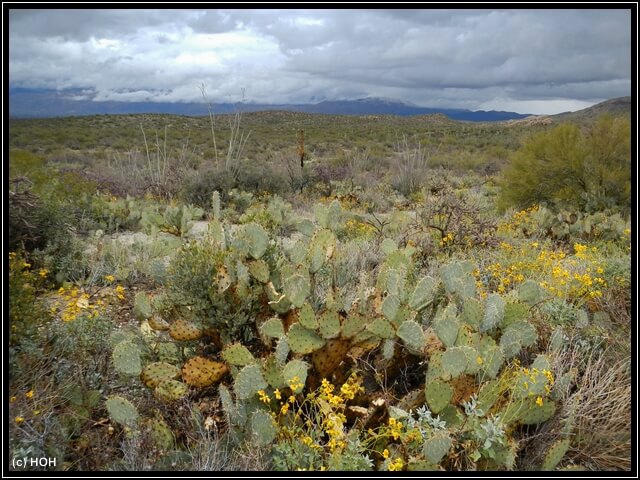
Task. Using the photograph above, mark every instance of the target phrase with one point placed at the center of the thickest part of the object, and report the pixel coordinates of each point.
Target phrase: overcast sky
(528, 61)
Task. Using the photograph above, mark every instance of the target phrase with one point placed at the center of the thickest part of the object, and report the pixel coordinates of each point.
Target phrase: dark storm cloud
(546, 60)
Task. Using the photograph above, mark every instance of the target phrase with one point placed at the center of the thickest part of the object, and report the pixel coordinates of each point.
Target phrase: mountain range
(33, 103)
(41, 103)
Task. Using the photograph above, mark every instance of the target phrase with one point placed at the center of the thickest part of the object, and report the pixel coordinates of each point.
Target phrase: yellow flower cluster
(355, 229)
(70, 303)
(519, 220)
(396, 465)
(447, 239)
(395, 428)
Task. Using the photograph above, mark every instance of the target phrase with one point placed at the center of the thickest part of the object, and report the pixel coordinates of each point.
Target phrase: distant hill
(28, 103)
(615, 106)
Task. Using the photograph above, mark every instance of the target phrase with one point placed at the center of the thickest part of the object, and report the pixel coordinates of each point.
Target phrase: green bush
(568, 168)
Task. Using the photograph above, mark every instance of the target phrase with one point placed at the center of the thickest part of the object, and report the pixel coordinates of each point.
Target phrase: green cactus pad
(282, 350)
(446, 325)
(248, 381)
(142, 306)
(492, 358)
(454, 361)
(256, 238)
(423, 294)
(321, 248)
(296, 369)
(516, 336)
(488, 395)
(436, 447)
(160, 434)
(473, 313)
(277, 301)
(184, 331)
(390, 307)
(555, 454)
(263, 428)
(302, 340)
(514, 312)
(382, 328)
(412, 335)
(171, 390)
(422, 466)
(438, 395)
(493, 312)
(237, 354)
(308, 317)
(156, 372)
(122, 411)
(158, 323)
(388, 349)
(272, 372)
(396, 279)
(126, 358)
(167, 352)
(530, 292)
(435, 369)
(329, 324)
(353, 324)
(201, 372)
(272, 328)
(458, 280)
(297, 289)
(259, 269)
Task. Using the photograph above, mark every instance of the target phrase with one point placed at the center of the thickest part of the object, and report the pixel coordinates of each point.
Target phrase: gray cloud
(515, 59)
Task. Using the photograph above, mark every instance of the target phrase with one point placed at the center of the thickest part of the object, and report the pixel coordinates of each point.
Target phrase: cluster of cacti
(464, 343)
(565, 225)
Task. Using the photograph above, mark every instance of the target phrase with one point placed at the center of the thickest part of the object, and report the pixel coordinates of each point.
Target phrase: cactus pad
(237, 354)
(555, 454)
(493, 312)
(412, 335)
(302, 340)
(156, 372)
(256, 238)
(158, 323)
(160, 433)
(454, 361)
(297, 289)
(321, 248)
(122, 411)
(382, 328)
(308, 317)
(272, 328)
(446, 325)
(329, 324)
(183, 331)
(438, 395)
(436, 447)
(171, 390)
(329, 357)
(259, 269)
(472, 313)
(248, 381)
(353, 324)
(142, 306)
(390, 307)
(423, 294)
(263, 427)
(296, 369)
(202, 372)
(126, 358)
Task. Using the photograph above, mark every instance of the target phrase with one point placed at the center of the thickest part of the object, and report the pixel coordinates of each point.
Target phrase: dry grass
(598, 406)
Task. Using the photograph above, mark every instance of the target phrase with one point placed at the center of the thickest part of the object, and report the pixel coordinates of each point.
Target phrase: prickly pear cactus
(237, 354)
(171, 390)
(263, 427)
(248, 381)
(201, 372)
(302, 340)
(412, 335)
(122, 411)
(555, 454)
(156, 372)
(158, 323)
(160, 433)
(436, 447)
(184, 331)
(329, 357)
(438, 395)
(321, 249)
(126, 358)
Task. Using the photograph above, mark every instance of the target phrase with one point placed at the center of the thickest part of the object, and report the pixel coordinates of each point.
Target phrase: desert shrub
(410, 167)
(197, 189)
(568, 168)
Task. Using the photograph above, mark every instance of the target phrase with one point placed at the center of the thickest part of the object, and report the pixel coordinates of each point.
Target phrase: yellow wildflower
(385, 453)
(109, 278)
(29, 394)
(19, 420)
(539, 401)
(277, 394)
